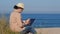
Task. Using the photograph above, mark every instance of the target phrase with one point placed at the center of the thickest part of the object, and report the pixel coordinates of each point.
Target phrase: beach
(44, 23)
(48, 30)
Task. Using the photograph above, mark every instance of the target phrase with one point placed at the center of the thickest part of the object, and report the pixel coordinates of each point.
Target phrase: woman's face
(20, 10)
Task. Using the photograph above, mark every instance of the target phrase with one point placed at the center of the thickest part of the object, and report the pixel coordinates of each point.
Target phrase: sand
(48, 30)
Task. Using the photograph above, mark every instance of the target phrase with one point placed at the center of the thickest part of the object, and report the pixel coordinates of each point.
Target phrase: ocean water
(42, 20)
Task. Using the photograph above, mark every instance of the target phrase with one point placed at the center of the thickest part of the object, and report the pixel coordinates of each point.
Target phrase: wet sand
(48, 30)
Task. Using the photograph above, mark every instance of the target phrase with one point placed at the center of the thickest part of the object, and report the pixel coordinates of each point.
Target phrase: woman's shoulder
(14, 13)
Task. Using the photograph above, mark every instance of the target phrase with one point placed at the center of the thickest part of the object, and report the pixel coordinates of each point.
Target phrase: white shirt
(16, 22)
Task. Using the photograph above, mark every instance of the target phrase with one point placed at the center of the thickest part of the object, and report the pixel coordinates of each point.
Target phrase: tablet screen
(31, 21)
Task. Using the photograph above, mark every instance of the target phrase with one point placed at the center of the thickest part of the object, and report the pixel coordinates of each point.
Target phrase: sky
(32, 6)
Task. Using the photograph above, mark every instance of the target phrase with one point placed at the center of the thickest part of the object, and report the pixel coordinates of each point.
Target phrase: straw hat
(20, 5)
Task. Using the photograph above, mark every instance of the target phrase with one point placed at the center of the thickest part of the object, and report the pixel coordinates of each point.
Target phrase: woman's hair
(16, 7)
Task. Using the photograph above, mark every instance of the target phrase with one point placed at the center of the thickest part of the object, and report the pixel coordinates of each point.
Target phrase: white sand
(48, 30)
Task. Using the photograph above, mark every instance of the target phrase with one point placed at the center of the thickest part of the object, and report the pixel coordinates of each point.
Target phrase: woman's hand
(27, 21)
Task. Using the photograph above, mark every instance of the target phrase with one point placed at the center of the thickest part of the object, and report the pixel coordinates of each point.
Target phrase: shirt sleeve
(19, 20)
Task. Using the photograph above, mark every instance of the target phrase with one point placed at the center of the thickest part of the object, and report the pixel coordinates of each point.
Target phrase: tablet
(31, 22)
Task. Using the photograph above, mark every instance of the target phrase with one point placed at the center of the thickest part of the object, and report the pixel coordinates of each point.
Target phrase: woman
(16, 23)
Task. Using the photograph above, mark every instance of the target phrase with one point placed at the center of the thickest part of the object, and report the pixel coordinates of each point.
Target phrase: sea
(41, 20)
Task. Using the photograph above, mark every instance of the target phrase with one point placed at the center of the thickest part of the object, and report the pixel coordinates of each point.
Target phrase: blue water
(43, 20)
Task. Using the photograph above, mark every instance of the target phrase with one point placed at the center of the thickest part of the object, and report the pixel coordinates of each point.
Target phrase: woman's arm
(19, 21)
